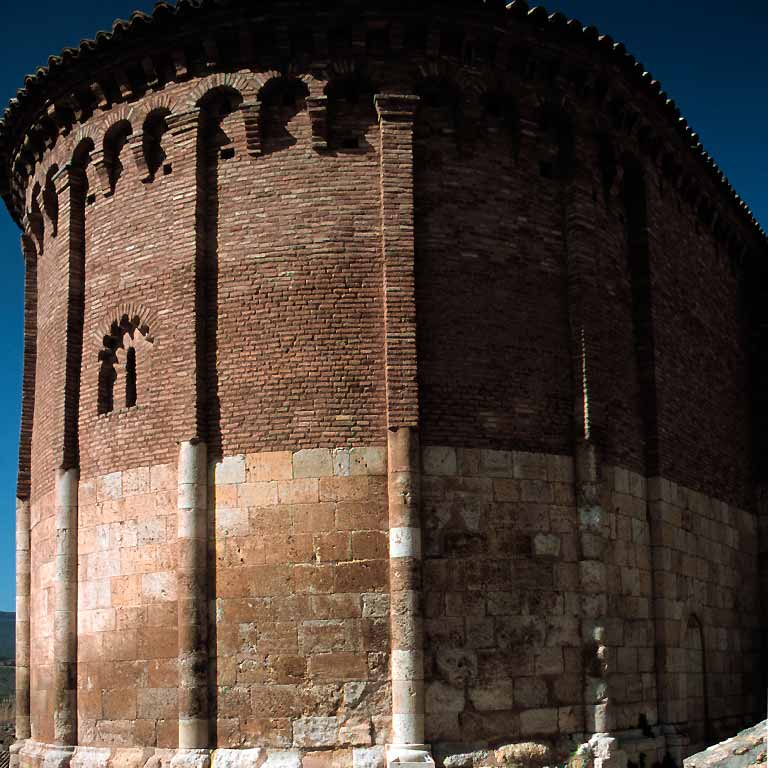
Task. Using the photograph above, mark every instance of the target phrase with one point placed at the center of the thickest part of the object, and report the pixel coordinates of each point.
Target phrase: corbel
(150, 72)
(102, 169)
(317, 108)
(136, 148)
(252, 119)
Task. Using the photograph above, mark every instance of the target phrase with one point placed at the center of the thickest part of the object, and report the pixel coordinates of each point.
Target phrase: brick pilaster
(396, 117)
(23, 520)
(189, 162)
(593, 523)
(71, 187)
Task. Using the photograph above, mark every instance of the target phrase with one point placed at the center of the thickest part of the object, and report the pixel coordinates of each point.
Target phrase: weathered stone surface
(261, 255)
(745, 750)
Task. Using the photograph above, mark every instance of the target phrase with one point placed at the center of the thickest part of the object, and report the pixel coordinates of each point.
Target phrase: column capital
(396, 107)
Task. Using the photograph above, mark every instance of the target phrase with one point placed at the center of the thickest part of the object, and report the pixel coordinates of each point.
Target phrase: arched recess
(23, 487)
(154, 128)
(115, 140)
(634, 198)
(51, 200)
(126, 365)
(36, 223)
(695, 690)
(215, 144)
(441, 108)
(351, 112)
(78, 190)
(282, 100)
(558, 152)
(500, 116)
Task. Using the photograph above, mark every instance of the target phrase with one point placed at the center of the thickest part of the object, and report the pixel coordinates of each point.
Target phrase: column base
(607, 752)
(191, 758)
(678, 745)
(14, 750)
(407, 755)
(32, 754)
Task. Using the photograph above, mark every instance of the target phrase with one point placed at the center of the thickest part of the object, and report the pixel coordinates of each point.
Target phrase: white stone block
(546, 545)
(407, 665)
(341, 462)
(239, 758)
(368, 461)
(369, 757)
(230, 470)
(439, 461)
(314, 462)
(405, 542)
(284, 759)
(193, 463)
(191, 758)
(315, 731)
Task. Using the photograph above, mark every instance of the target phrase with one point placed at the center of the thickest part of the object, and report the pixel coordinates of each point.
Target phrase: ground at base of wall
(37, 755)
(748, 748)
(570, 752)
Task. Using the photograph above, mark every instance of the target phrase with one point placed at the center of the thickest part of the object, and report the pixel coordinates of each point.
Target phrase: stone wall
(41, 616)
(423, 231)
(301, 600)
(501, 596)
(127, 613)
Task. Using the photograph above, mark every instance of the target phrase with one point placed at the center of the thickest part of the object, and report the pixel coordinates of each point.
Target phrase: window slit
(130, 378)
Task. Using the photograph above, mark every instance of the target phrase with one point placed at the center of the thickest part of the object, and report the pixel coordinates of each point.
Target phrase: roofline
(13, 120)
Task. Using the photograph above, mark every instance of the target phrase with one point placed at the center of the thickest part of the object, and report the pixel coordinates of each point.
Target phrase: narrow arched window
(107, 376)
(130, 378)
(125, 371)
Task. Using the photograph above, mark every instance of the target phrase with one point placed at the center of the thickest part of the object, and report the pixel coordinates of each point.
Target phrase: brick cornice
(95, 75)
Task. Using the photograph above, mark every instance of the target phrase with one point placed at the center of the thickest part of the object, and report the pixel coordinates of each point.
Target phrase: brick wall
(250, 271)
(494, 366)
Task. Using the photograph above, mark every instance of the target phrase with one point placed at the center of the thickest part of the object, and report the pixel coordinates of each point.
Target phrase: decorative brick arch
(241, 82)
(88, 131)
(160, 101)
(124, 350)
(138, 314)
(119, 114)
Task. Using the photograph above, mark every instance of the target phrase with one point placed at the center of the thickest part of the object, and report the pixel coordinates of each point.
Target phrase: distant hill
(7, 635)
(7, 653)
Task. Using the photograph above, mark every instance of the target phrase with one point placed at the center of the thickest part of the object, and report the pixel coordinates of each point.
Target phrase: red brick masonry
(393, 391)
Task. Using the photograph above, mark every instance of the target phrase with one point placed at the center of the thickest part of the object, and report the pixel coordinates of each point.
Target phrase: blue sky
(711, 57)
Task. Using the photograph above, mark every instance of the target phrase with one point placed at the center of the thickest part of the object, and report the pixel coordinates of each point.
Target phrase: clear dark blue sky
(711, 57)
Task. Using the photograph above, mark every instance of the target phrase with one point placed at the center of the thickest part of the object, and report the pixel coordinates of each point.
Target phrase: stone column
(71, 187)
(23, 516)
(65, 609)
(593, 522)
(23, 573)
(184, 152)
(192, 572)
(396, 117)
